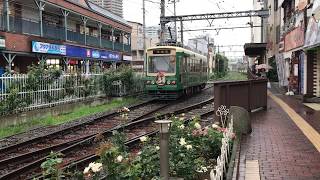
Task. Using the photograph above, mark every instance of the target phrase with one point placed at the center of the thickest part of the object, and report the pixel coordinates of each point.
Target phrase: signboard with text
(80, 52)
(74, 51)
(294, 39)
(47, 48)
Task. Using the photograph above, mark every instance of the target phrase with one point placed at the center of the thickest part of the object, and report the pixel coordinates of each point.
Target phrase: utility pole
(175, 21)
(162, 24)
(144, 32)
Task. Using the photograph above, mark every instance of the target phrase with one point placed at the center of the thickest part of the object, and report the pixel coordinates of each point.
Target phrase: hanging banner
(294, 39)
(313, 33)
(281, 69)
(47, 48)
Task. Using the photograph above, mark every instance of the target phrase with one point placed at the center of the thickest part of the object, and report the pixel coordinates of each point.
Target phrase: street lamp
(164, 148)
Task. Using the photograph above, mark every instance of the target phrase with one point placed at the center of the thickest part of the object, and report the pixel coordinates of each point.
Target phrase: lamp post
(164, 148)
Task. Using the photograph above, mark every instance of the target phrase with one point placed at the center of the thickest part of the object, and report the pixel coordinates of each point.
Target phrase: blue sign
(74, 51)
(80, 52)
(47, 48)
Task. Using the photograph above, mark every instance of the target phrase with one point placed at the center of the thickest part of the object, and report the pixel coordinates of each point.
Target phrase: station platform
(284, 143)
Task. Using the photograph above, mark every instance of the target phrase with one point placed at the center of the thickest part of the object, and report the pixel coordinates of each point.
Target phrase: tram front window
(165, 64)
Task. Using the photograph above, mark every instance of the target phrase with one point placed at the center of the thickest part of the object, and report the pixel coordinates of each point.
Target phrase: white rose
(97, 167)
(119, 158)
(182, 141)
(189, 146)
(143, 138)
(181, 119)
(181, 126)
(183, 114)
(204, 169)
(91, 165)
(214, 126)
(86, 170)
(125, 109)
(197, 126)
(157, 148)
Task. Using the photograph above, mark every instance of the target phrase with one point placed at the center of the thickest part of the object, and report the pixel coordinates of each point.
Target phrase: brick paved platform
(280, 147)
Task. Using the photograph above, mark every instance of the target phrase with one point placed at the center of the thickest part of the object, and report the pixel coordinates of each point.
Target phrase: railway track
(133, 131)
(87, 147)
(18, 155)
(19, 158)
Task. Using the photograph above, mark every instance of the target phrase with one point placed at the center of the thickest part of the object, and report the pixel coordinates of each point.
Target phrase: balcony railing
(106, 44)
(76, 37)
(24, 26)
(53, 32)
(127, 48)
(118, 46)
(93, 41)
(32, 27)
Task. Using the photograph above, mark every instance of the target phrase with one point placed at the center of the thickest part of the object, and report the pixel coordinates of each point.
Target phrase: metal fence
(65, 89)
(220, 169)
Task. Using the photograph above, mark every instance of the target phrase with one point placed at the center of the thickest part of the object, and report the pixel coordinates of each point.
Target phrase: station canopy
(255, 49)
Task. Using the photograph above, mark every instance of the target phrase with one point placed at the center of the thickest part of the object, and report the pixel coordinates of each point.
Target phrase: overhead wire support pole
(144, 33)
(162, 24)
(181, 30)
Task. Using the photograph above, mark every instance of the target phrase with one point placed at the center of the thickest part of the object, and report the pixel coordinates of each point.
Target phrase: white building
(114, 6)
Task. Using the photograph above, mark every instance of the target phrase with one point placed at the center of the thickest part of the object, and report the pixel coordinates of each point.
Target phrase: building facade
(137, 48)
(294, 43)
(114, 6)
(76, 36)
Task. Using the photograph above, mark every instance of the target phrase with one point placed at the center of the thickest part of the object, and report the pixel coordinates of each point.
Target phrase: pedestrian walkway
(282, 145)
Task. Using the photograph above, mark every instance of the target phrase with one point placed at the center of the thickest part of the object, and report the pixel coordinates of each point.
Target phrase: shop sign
(79, 52)
(294, 39)
(2, 42)
(47, 48)
(127, 58)
(313, 33)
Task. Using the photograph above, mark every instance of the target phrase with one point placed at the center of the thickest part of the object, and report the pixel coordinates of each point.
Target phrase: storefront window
(53, 63)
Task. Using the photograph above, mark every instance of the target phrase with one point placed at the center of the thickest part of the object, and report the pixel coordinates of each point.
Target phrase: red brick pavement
(281, 148)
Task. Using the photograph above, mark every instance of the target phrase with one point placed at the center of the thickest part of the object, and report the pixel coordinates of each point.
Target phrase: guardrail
(220, 169)
(65, 89)
(250, 94)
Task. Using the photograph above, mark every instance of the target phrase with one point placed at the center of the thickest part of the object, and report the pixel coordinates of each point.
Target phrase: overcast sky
(133, 12)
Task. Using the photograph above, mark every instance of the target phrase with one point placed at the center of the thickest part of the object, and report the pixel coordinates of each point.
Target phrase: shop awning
(255, 49)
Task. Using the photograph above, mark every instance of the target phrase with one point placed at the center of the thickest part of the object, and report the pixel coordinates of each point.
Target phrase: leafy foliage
(50, 168)
(221, 66)
(123, 74)
(193, 151)
(273, 74)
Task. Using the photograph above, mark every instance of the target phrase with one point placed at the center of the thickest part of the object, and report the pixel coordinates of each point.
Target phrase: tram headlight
(168, 82)
(173, 82)
(152, 82)
(148, 82)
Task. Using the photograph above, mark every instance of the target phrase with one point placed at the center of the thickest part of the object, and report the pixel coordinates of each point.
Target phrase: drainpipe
(7, 11)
